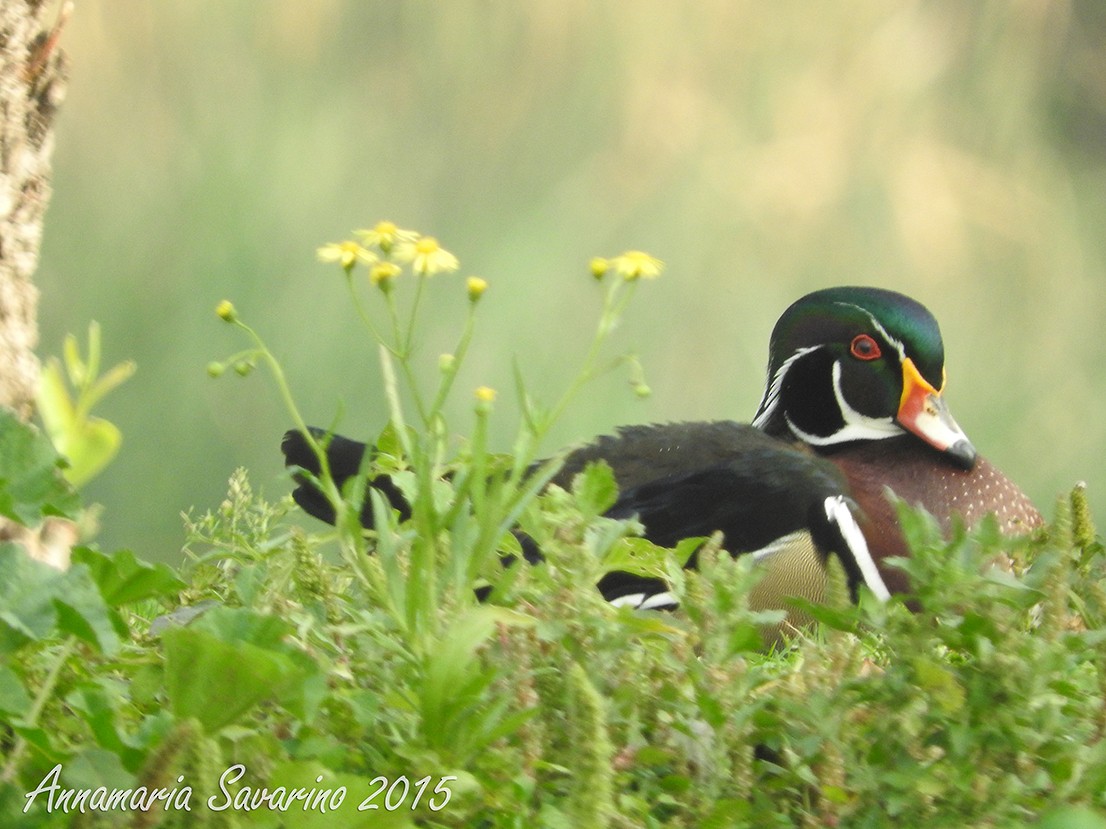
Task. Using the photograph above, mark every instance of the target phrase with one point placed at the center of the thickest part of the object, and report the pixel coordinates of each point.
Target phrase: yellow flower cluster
(631, 265)
(424, 254)
(385, 235)
(347, 254)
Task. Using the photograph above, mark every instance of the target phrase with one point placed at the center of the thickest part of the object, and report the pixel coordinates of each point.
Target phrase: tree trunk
(32, 85)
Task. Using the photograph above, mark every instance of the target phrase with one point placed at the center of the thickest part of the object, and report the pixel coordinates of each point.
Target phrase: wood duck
(853, 406)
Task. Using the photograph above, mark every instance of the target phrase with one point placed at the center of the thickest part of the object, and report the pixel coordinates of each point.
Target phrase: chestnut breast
(921, 477)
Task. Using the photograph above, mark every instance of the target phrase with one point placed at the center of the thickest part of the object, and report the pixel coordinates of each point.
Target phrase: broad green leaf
(36, 600)
(90, 446)
(217, 681)
(238, 624)
(31, 484)
(454, 679)
(123, 578)
(835, 618)
(87, 443)
(233, 658)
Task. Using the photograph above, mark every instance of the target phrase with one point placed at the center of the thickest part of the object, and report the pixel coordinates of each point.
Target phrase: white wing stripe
(839, 513)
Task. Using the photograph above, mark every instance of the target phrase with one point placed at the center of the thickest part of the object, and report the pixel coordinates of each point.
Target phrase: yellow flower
(476, 287)
(385, 235)
(599, 267)
(636, 264)
(347, 253)
(484, 394)
(426, 256)
(225, 311)
(382, 273)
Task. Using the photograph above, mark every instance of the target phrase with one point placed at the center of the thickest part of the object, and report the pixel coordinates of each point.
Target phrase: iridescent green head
(849, 364)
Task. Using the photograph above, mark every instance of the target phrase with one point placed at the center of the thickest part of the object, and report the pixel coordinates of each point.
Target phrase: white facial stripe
(899, 347)
(839, 513)
(878, 427)
(857, 426)
(772, 390)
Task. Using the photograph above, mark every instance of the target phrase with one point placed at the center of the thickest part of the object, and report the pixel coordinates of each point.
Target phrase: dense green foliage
(364, 661)
(548, 707)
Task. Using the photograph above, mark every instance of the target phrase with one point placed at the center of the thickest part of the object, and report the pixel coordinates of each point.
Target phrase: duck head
(859, 364)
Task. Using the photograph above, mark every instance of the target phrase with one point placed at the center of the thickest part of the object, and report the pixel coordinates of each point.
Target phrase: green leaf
(36, 600)
(89, 446)
(55, 406)
(939, 683)
(230, 660)
(595, 489)
(217, 681)
(88, 443)
(239, 624)
(31, 484)
(95, 767)
(97, 705)
(639, 556)
(450, 695)
(14, 700)
(835, 618)
(123, 578)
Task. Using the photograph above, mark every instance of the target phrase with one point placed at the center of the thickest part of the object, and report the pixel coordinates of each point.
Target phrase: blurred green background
(953, 151)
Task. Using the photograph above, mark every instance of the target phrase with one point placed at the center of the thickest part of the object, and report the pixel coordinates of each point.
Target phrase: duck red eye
(864, 347)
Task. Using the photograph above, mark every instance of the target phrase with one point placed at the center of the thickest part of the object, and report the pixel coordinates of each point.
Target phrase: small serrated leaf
(595, 488)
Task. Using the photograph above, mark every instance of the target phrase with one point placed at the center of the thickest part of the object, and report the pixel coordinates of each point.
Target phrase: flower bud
(225, 311)
(476, 287)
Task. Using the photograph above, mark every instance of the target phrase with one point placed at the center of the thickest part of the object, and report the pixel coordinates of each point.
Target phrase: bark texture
(32, 85)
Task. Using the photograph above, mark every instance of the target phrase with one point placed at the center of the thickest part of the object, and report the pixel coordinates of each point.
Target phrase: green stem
(325, 479)
(361, 312)
(421, 585)
(458, 357)
(407, 342)
(614, 303)
(401, 350)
